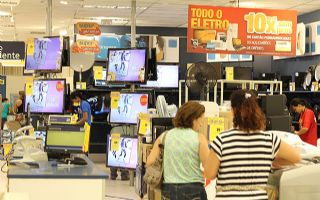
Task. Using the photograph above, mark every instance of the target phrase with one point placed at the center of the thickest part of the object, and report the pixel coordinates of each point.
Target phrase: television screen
(127, 65)
(103, 81)
(167, 77)
(46, 96)
(44, 54)
(126, 155)
(129, 106)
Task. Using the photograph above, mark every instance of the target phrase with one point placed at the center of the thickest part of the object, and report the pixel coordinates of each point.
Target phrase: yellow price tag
(81, 85)
(98, 70)
(115, 141)
(7, 148)
(1, 82)
(111, 76)
(229, 73)
(216, 126)
(144, 123)
(74, 117)
(30, 46)
(29, 88)
(115, 97)
(31, 132)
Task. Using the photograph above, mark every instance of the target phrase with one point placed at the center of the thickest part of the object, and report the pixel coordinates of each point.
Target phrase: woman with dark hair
(307, 122)
(241, 158)
(184, 150)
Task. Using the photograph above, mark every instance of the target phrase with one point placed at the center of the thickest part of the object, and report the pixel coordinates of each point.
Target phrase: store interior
(128, 62)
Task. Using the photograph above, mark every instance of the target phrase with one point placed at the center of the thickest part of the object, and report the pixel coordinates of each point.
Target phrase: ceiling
(28, 19)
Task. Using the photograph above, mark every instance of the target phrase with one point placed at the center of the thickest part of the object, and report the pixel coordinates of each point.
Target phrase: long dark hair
(247, 115)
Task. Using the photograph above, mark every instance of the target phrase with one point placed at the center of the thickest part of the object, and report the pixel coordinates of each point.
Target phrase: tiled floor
(117, 189)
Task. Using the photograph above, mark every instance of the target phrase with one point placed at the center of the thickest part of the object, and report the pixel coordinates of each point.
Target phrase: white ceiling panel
(30, 15)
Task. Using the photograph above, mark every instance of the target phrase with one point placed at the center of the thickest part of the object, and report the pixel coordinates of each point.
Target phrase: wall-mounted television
(129, 107)
(167, 77)
(44, 54)
(127, 65)
(46, 96)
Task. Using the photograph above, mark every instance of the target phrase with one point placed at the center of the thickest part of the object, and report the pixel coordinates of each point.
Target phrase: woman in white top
(241, 158)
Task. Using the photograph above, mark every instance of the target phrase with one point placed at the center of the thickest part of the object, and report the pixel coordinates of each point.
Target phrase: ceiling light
(249, 4)
(64, 2)
(4, 13)
(63, 32)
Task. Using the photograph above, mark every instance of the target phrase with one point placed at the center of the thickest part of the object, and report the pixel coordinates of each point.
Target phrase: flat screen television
(44, 54)
(129, 106)
(103, 82)
(126, 155)
(46, 96)
(167, 77)
(127, 65)
(65, 138)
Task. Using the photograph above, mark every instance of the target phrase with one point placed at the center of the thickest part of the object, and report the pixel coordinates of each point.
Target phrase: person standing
(5, 111)
(184, 151)
(241, 158)
(307, 122)
(84, 111)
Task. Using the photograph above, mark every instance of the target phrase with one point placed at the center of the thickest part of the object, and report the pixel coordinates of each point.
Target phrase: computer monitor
(46, 96)
(159, 125)
(286, 82)
(124, 155)
(44, 54)
(129, 107)
(66, 139)
(168, 77)
(127, 65)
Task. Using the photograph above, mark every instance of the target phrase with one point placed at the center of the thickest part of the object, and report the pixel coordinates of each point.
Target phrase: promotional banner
(85, 46)
(88, 28)
(227, 30)
(12, 54)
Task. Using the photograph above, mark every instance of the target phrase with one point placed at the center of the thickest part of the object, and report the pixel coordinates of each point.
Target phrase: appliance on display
(317, 72)
(201, 77)
(129, 107)
(103, 82)
(163, 109)
(268, 76)
(309, 77)
(286, 80)
(242, 73)
(65, 139)
(44, 54)
(65, 60)
(61, 119)
(46, 96)
(279, 123)
(299, 79)
(126, 153)
(127, 65)
(152, 65)
(168, 77)
(159, 125)
(273, 105)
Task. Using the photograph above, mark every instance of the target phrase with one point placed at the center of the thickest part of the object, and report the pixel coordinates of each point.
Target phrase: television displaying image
(127, 65)
(125, 155)
(44, 54)
(46, 96)
(129, 107)
(167, 77)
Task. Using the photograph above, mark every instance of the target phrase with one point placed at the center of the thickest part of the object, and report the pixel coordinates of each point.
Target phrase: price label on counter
(115, 141)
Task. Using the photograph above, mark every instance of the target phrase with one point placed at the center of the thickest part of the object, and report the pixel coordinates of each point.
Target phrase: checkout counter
(72, 176)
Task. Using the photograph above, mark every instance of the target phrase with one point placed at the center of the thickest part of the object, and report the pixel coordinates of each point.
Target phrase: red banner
(228, 30)
(85, 46)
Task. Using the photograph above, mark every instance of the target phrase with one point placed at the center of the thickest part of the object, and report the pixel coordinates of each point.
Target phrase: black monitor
(123, 153)
(299, 78)
(66, 139)
(127, 65)
(159, 125)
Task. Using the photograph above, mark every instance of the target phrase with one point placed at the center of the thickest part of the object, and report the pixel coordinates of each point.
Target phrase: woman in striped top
(241, 158)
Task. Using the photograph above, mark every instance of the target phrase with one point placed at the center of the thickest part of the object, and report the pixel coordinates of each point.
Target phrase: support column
(49, 18)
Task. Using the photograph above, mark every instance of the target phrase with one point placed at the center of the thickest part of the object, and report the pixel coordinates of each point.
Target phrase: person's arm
(84, 119)
(155, 151)
(203, 149)
(302, 131)
(213, 160)
(287, 155)
(17, 104)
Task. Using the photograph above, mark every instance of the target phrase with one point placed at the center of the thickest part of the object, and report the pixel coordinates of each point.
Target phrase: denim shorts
(187, 191)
